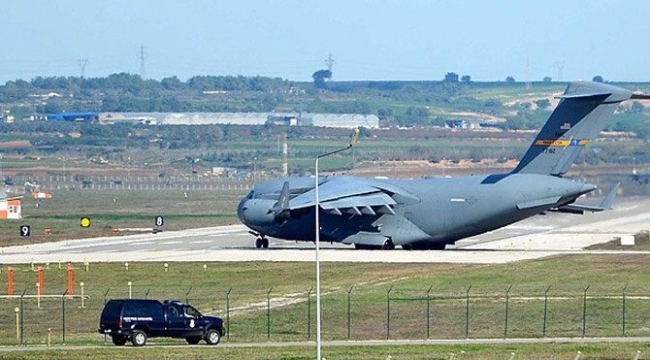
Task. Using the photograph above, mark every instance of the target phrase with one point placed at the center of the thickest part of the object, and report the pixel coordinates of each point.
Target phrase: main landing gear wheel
(437, 246)
(262, 242)
(388, 245)
(424, 246)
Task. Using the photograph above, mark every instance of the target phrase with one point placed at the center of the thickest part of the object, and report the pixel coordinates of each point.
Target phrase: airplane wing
(366, 204)
(354, 196)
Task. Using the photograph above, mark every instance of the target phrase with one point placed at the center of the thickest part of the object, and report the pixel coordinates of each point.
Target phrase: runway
(537, 237)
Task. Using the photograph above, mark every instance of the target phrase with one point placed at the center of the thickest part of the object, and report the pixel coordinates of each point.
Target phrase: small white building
(10, 208)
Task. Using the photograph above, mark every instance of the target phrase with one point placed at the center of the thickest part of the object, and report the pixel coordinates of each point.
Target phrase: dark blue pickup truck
(139, 319)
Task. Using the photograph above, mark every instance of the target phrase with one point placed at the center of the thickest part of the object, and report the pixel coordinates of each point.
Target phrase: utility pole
(142, 57)
(559, 65)
(285, 154)
(329, 62)
(82, 65)
(529, 84)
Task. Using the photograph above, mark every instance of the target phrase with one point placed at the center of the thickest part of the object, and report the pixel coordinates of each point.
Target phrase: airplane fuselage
(429, 213)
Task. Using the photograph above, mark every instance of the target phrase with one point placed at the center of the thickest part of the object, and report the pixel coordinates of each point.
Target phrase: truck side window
(173, 312)
(192, 312)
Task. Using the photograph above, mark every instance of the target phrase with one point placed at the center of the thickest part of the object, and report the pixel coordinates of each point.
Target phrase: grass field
(430, 352)
(275, 301)
(269, 301)
(119, 209)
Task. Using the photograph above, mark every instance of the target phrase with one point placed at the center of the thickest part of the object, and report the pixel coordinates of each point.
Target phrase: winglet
(609, 199)
(281, 208)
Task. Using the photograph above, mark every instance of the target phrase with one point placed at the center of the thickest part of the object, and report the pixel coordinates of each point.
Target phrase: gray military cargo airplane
(429, 213)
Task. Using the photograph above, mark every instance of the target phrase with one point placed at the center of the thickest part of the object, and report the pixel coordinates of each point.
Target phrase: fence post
(268, 314)
(505, 330)
(63, 314)
(584, 312)
(623, 318)
(105, 301)
(38, 295)
(17, 311)
(545, 310)
(388, 312)
(228, 314)
(187, 295)
(467, 312)
(22, 316)
(428, 313)
(349, 313)
(309, 313)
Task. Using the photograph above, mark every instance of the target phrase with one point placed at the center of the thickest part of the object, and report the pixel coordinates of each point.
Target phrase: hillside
(502, 118)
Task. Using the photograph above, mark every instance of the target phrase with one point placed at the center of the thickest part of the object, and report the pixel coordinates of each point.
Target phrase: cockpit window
(250, 195)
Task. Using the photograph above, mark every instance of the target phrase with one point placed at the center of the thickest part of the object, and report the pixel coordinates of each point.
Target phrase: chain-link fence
(257, 315)
(105, 182)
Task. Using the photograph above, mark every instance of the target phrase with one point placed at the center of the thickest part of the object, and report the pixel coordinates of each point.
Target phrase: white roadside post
(353, 141)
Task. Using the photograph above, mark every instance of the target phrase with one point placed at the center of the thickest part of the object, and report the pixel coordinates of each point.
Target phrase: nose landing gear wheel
(261, 242)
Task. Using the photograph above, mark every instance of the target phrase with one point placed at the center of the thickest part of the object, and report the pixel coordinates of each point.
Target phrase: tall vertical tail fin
(581, 114)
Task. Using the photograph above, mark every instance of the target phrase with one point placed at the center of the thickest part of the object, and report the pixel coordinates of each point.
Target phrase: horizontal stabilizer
(583, 96)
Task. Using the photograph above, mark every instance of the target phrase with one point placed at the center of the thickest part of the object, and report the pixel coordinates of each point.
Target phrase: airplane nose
(255, 212)
(241, 208)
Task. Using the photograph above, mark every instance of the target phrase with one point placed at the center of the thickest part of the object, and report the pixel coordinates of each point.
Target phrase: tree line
(396, 103)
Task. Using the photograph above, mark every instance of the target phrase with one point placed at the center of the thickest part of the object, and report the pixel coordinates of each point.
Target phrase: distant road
(540, 236)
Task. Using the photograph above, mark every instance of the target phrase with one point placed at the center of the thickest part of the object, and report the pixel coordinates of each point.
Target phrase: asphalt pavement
(539, 236)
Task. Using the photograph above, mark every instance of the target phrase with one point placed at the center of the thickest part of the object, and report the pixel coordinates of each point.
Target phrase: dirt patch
(478, 115)
(641, 243)
(553, 100)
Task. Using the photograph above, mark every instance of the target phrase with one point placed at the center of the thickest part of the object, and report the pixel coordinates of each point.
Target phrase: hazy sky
(368, 40)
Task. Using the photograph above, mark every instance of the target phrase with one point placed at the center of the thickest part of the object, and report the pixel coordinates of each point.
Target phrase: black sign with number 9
(25, 230)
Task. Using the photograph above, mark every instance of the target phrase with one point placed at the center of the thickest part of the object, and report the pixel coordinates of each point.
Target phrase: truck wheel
(138, 338)
(118, 340)
(212, 337)
(193, 340)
